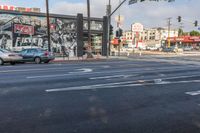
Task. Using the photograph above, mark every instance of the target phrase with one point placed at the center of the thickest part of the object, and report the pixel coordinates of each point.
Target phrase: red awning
(185, 39)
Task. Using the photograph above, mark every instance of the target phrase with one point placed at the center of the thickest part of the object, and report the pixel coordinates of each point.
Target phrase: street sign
(199, 28)
(132, 2)
(137, 27)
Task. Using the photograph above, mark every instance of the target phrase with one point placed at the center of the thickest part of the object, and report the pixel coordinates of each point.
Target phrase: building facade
(20, 30)
(142, 37)
(20, 9)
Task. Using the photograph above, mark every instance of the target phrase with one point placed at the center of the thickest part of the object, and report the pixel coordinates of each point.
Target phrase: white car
(9, 57)
(187, 48)
(151, 48)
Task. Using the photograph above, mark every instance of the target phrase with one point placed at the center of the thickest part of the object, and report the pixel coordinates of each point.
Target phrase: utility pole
(169, 28)
(108, 12)
(89, 50)
(118, 26)
(181, 28)
(48, 25)
(109, 15)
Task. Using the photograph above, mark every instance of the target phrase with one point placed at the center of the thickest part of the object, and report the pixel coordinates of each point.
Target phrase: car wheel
(1, 62)
(12, 63)
(37, 60)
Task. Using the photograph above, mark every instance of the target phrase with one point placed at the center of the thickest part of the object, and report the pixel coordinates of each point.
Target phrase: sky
(150, 14)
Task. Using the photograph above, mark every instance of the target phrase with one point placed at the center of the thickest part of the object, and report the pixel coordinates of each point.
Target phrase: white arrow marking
(193, 93)
(114, 76)
(122, 84)
(83, 70)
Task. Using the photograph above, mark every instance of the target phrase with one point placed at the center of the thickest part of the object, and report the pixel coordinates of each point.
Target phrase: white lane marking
(116, 85)
(105, 66)
(89, 87)
(177, 77)
(42, 69)
(160, 81)
(77, 73)
(193, 93)
(108, 77)
(162, 75)
(5, 71)
(117, 71)
(28, 70)
(48, 76)
(82, 70)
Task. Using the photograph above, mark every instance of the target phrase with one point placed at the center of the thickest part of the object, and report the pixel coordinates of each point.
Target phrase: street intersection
(130, 95)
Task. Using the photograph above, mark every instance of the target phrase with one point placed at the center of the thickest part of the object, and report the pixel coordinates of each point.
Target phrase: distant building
(20, 9)
(140, 37)
(157, 36)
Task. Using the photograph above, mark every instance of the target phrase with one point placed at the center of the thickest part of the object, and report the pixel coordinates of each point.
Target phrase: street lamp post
(48, 25)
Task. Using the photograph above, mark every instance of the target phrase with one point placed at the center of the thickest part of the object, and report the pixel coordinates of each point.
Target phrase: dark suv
(36, 55)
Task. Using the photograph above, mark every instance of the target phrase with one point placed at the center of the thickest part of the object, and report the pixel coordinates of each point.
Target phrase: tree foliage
(194, 33)
(180, 32)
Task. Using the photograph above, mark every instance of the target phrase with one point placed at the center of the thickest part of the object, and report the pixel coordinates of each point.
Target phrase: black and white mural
(25, 31)
(20, 31)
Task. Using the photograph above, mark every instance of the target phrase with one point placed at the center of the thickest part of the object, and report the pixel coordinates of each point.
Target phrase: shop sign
(23, 29)
(137, 27)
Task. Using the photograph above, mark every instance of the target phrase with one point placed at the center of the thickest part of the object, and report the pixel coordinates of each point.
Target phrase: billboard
(137, 27)
(23, 29)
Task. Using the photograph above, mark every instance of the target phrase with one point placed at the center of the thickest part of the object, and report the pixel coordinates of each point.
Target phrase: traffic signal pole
(169, 28)
(109, 22)
(109, 15)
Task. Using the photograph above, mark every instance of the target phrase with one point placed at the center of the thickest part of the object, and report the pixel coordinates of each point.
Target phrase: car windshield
(4, 51)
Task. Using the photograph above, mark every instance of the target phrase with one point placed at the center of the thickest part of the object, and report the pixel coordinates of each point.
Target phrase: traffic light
(179, 18)
(196, 23)
(117, 33)
(111, 30)
(120, 32)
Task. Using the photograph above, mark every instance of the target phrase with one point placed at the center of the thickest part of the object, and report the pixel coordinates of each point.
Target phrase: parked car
(197, 48)
(188, 48)
(36, 55)
(170, 49)
(9, 57)
(151, 48)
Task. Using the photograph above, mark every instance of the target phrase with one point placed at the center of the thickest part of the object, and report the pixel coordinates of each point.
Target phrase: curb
(81, 60)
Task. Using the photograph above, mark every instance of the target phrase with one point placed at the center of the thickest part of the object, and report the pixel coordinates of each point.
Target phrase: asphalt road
(114, 96)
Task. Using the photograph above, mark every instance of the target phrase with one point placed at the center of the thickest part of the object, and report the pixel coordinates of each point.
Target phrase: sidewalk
(75, 59)
(143, 54)
(164, 54)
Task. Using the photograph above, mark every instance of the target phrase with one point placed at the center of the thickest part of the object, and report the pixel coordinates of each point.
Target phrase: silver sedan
(9, 57)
